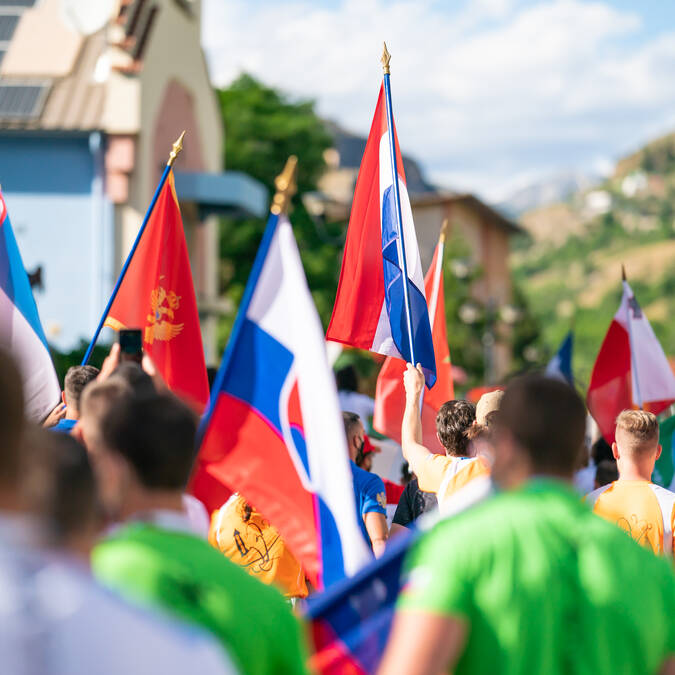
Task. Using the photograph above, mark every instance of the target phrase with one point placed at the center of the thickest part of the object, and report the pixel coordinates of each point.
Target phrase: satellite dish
(86, 16)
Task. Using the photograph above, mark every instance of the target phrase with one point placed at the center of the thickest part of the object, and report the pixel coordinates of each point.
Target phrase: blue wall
(53, 189)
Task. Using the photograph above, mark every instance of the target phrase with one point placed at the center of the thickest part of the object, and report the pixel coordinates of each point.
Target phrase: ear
(63, 397)
(615, 450)
(658, 451)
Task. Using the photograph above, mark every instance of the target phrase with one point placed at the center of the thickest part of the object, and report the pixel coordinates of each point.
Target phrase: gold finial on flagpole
(286, 186)
(386, 57)
(177, 147)
(623, 272)
(444, 230)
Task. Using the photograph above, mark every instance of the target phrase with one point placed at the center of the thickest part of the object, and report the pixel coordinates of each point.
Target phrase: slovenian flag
(631, 369)
(21, 332)
(370, 308)
(273, 430)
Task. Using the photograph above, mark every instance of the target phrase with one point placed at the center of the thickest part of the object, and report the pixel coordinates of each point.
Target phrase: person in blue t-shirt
(64, 417)
(369, 492)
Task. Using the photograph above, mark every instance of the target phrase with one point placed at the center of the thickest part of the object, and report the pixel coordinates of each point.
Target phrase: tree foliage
(263, 127)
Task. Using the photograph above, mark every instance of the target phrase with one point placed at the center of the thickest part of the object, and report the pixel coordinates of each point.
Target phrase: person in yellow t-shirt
(638, 506)
(457, 479)
(248, 539)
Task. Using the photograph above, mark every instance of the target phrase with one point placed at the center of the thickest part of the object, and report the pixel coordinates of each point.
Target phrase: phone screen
(131, 344)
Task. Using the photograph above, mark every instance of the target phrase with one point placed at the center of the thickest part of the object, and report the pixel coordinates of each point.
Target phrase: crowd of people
(108, 566)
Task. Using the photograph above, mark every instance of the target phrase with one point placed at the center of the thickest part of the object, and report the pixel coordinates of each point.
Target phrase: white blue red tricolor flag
(370, 308)
(273, 430)
(21, 332)
(350, 622)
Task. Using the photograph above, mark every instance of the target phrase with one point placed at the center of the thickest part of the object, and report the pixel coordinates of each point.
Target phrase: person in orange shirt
(457, 479)
(638, 506)
(248, 539)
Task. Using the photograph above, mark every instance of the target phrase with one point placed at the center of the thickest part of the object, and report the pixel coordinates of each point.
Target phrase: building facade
(86, 125)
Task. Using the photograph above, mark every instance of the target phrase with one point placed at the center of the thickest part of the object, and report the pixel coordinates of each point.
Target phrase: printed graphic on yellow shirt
(250, 541)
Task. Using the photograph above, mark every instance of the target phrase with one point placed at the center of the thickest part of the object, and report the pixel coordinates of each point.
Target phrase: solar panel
(8, 23)
(21, 101)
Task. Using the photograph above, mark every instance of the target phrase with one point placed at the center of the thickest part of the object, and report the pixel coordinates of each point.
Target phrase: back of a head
(135, 377)
(11, 419)
(97, 399)
(637, 432)
(547, 419)
(156, 435)
(77, 378)
(452, 422)
(351, 423)
(59, 485)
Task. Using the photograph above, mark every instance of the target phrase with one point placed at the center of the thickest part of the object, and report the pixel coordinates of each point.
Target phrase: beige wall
(175, 94)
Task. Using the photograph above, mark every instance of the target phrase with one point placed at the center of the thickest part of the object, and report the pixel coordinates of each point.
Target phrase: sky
(488, 95)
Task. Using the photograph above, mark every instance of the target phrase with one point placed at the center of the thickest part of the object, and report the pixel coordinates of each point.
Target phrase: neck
(72, 413)
(635, 471)
(152, 500)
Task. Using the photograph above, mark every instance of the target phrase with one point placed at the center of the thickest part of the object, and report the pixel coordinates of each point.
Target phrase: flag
(389, 392)
(631, 369)
(370, 309)
(158, 297)
(273, 430)
(560, 366)
(350, 622)
(21, 332)
(664, 471)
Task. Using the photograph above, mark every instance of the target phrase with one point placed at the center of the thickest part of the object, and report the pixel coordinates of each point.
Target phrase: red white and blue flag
(21, 332)
(273, 430)
(370, 307)
(350, 622)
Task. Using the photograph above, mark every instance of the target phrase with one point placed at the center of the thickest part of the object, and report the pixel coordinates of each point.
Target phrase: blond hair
(640, 424)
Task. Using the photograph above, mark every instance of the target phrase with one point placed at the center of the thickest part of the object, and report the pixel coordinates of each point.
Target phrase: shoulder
(592, 497)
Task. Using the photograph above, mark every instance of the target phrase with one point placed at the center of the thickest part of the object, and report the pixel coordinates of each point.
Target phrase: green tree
(263, 127)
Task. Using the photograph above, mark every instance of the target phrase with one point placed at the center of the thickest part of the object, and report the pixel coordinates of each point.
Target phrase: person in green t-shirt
(531, 581)
(142, 448)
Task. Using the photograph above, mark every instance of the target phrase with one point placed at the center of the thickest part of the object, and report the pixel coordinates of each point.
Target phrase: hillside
(569, 264)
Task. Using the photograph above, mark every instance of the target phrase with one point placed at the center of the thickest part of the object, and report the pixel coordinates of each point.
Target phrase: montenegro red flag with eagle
(157, 296)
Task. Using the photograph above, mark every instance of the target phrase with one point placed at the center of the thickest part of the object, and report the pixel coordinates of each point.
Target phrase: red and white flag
(389, 393)
(631, 370)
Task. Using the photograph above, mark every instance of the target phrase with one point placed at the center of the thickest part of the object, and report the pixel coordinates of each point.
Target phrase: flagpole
(177, 147)
(633, 360)
(386, 57)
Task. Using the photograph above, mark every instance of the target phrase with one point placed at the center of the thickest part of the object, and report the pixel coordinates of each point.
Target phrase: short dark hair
(77, 378)
(156, 435)
(59, 484)
(12, 422)
(135, 377)
(547, 419)
(452, 421)
(351, 421)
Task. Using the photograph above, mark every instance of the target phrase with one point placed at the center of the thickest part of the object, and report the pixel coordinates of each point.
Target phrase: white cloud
(483, 96)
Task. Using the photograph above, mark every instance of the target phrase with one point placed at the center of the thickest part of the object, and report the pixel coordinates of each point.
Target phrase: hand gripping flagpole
(177, 147)
(386, 57)
(633, 360)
